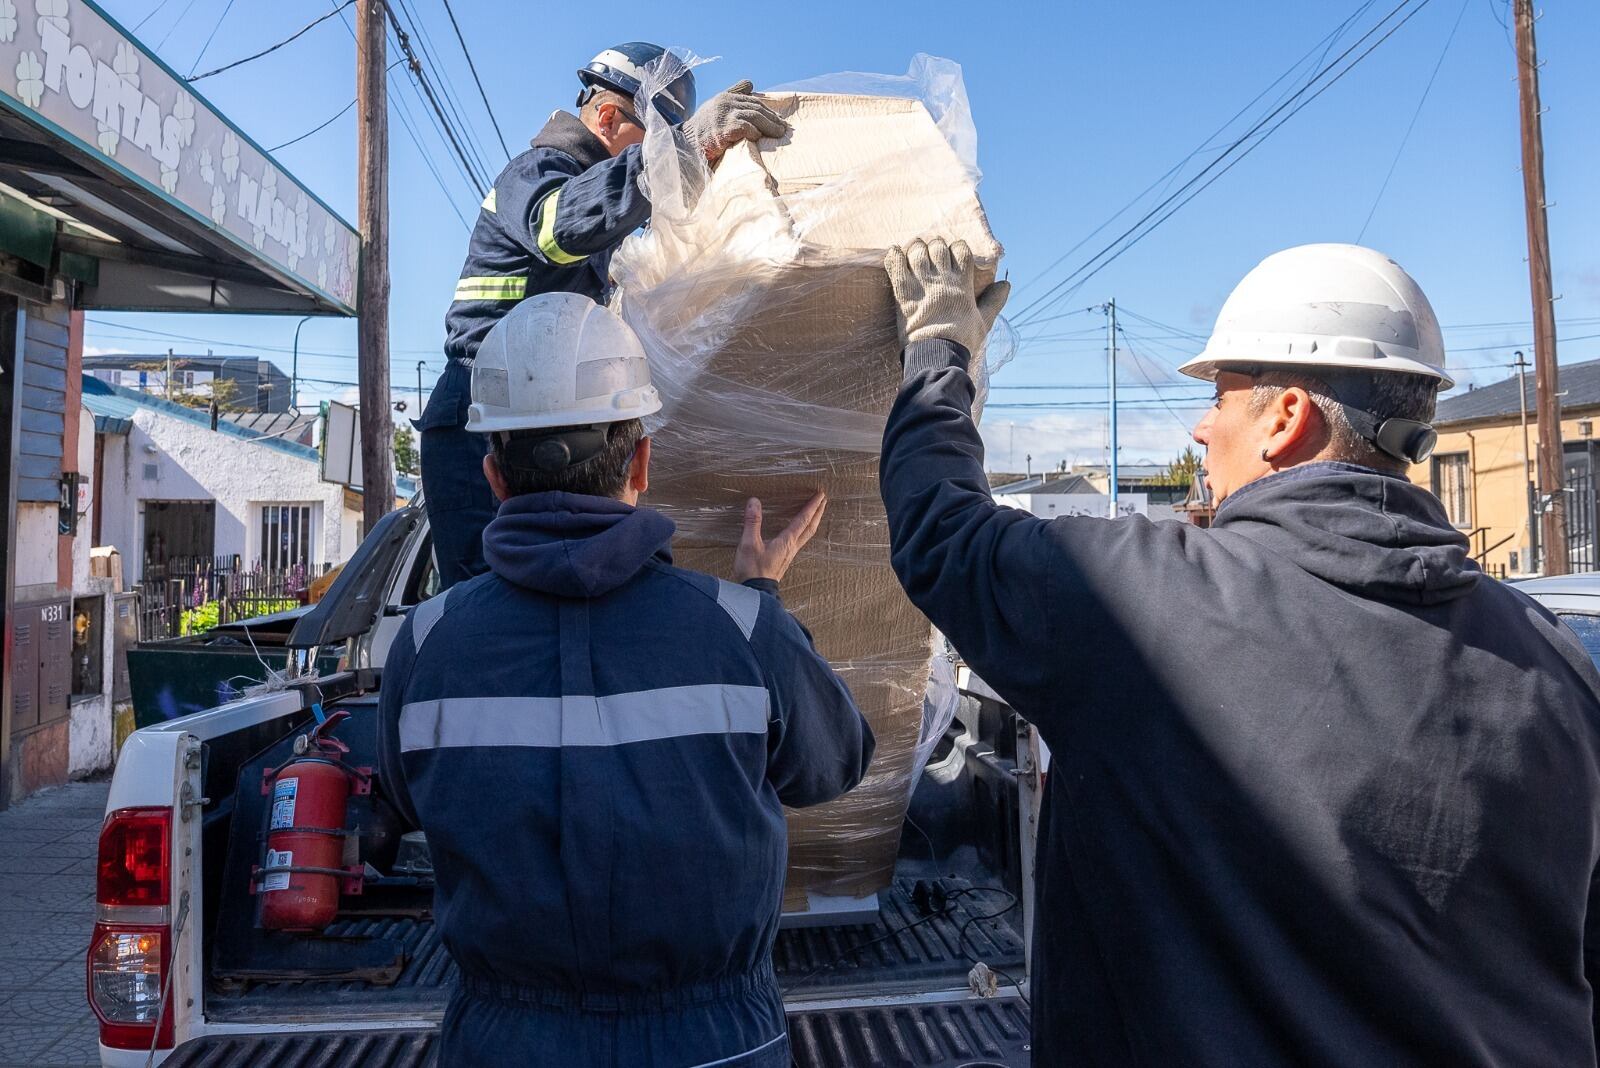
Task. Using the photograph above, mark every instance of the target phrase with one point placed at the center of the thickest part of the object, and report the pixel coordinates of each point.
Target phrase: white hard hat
(1329, 306)
(557, 360)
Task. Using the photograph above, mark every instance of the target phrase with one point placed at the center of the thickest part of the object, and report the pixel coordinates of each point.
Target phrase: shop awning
(115, 173)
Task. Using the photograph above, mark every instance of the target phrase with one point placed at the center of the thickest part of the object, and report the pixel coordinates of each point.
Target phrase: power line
(265, 51)
(151, 15)
(1112, 251)
(415, 66)
(328, 122)
(174, 26)
(212, 37)
(447, 91)
(1413, 123)
(473, 67)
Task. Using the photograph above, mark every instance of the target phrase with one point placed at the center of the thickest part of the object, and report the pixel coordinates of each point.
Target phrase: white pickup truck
(181, 973)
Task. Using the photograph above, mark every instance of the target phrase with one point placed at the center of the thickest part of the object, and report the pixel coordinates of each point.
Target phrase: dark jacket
(599, 746)
(549, 225)
(1321, 794)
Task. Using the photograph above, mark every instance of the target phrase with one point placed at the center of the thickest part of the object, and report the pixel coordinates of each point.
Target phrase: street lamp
(294, 368)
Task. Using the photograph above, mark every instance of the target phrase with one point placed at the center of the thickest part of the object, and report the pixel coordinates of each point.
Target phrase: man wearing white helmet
(599, 745)
(1321, 792)
(549, 225)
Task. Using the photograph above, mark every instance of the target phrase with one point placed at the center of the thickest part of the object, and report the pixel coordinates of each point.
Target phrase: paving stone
(64, 850)
(49, 898)
(49, 946)
(46, 922)
(27, 1045)
(17, 975)
(89, 866)
(48, 1008)
(29, 864)
(28, 832)
(78, 1048)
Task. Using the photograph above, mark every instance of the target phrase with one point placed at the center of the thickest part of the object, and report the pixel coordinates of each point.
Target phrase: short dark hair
(603, 475)
(1391, 395)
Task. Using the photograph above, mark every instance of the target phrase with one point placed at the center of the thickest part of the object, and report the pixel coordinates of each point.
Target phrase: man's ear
(639, 469)
(1295, 427)
(491, 471)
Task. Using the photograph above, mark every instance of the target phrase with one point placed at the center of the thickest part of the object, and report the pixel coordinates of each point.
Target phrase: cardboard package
(771, 331)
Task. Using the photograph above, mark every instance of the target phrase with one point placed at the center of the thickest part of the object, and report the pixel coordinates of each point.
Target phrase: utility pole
(1527, 462)
(420, 365)
(372, 327)
(167, 384)
(294, 367)
(1111, 374)
(1553, 528)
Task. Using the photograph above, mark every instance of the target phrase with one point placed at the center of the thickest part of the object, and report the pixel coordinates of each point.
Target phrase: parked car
(1575, 599)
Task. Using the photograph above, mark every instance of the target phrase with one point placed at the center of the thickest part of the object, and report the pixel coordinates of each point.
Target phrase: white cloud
(1078, 437)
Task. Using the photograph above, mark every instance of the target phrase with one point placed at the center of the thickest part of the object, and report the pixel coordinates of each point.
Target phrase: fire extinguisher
(303, 873)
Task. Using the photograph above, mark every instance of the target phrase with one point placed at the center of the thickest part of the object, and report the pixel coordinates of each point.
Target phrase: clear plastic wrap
(760, 296)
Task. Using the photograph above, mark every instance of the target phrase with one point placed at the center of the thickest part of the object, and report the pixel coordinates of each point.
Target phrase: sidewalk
(47, 858)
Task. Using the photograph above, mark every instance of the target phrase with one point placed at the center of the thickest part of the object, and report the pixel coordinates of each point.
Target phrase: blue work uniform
(549, 225)
(599, 746)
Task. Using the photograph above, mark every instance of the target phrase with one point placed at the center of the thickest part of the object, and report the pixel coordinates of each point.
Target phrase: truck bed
(907, 950)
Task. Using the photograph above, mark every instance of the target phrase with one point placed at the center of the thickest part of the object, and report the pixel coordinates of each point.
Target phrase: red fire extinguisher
(303, 872)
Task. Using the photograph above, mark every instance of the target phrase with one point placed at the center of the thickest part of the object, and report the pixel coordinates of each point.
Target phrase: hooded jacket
(599, 746)
(549, 225)
(1321, 792)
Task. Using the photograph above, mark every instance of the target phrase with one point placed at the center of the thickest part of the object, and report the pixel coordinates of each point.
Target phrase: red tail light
(135, 857)
(130, 954)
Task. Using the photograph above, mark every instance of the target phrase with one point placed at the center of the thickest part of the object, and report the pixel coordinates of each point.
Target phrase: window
(1452, 484)
(286, 535)
(1587, 628)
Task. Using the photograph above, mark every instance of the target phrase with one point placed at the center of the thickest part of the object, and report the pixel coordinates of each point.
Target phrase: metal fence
(1581, 525)
(193, 594)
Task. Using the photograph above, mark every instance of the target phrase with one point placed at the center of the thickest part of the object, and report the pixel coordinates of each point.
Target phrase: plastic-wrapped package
(760, 295)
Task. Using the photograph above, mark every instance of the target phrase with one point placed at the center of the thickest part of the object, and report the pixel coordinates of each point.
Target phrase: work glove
(733, 115)
(935, 287)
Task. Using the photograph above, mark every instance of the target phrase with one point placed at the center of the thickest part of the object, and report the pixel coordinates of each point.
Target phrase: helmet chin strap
(553, 451)
(1407, 440)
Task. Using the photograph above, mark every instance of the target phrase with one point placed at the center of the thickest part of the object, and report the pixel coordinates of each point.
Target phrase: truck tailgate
(962, 1034)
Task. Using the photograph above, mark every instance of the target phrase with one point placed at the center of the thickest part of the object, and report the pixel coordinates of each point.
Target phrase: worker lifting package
(760, 296)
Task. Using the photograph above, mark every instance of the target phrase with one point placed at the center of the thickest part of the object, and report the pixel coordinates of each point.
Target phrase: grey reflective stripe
(424, 616)
(737, 1057)
(550, 722)
(742, 603)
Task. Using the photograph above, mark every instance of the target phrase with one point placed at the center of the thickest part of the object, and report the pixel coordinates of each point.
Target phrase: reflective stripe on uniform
(425, 615)
(553, 722)
(742, 603)
(488, 202)
(547, 233)
(492, 287)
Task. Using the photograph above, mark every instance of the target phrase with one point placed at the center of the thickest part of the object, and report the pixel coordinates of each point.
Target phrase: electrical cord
(266, 51)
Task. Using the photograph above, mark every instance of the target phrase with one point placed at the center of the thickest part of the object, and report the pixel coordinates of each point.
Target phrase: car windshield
(1587, 628)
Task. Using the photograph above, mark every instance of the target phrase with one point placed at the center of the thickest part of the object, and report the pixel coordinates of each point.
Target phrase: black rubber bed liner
(973, 1034)
(909, 949)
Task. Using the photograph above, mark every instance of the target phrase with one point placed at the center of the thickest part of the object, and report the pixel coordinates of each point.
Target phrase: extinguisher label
(278, 880)
(283, 793)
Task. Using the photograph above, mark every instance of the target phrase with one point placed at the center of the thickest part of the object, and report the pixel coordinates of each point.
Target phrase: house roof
(115, 406)
(1580, 382)
(1042, 484)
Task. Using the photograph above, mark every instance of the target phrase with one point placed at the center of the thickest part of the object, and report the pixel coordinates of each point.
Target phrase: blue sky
(1078, 108)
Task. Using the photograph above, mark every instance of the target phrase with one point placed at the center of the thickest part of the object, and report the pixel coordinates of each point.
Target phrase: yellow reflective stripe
(491, 287)
(547, 234)
(488, 201)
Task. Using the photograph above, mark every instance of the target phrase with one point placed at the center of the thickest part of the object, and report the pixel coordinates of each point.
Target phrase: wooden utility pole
(372, 289)
(1553, 525)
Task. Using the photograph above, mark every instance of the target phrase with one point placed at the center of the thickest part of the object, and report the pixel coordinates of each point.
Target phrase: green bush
(206, 616)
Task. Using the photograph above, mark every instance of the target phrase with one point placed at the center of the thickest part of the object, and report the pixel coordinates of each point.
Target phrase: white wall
(37, 532)
(195, 463)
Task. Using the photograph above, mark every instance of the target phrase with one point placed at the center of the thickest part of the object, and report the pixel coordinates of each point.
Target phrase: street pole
(294, 368)
(372, 329)
(1553, 528)
(167, 385)
(1111, 366)
(1527, 460)
(420, 365)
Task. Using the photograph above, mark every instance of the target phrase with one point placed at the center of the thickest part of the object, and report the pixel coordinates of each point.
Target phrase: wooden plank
(36, 444)
(44, 377)
(44, 467)
(46, 356)
(43, 400)
(47, 330)
(40, 490)
(40, 422)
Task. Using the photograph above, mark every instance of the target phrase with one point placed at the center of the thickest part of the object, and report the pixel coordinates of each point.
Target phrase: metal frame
(10, 444)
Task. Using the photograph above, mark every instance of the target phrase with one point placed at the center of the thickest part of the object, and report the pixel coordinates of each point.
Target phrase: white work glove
(935, 287)
(733, 115)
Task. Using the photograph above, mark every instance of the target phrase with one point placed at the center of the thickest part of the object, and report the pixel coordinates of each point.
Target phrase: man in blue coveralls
(549, 225)
(599, 745)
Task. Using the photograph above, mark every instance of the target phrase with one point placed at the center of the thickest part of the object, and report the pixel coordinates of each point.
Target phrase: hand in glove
(733, 115)
(935, 288)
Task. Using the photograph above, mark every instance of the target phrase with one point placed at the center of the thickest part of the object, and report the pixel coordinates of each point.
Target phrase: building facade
(253, 384)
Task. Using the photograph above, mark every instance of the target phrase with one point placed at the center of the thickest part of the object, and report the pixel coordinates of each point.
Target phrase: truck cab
(180, 965)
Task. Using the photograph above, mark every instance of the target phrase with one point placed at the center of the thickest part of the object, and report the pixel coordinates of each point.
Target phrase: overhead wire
(1412, 125)
(447, 92)
(152, 14)
(212, 37)
(473, 67)
(1233, 154)
(265, 51)
(477, 181)
(176, 23)
(328, 122)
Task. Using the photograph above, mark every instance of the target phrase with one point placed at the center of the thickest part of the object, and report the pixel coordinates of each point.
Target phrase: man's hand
(935, 290)
(733, 115)
(770, 560)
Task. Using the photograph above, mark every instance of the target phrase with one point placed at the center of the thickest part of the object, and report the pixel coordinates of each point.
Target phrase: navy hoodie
(599, 746)
(1321, 792)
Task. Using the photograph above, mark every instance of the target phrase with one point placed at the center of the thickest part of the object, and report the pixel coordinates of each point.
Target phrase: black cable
(415, 66)
(1384, 188)
(474, 68)
(1139, 366)
(1097, 268)
(447, 90)
(183, 15)
(152, 14)
(265, 51)
(1085, 271)
(212, 36)
(325, 124)
(976, 958)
